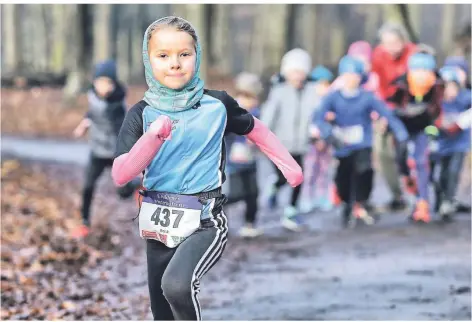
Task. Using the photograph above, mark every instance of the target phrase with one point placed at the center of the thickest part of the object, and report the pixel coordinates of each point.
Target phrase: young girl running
(176, 135)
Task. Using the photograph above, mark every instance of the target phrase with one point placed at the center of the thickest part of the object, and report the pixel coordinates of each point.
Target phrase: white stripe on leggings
(215, 248)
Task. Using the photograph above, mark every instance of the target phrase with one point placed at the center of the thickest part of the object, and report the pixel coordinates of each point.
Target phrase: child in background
(287, 113)
(460, 64)
(417, 103)
(361, 50)
(241, 164)
(315, 190)
(106, 113)
(351, 133)
(454, 139)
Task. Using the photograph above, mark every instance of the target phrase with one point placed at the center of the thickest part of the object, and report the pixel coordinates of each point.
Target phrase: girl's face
(172, 56)
(351, 80)
(451, 91)
(296, 78)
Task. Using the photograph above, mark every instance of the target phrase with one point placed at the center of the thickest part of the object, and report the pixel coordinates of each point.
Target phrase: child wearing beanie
(287, 113)
(241, 160)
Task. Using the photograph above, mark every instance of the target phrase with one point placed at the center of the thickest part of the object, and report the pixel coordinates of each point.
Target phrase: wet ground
(393, 271)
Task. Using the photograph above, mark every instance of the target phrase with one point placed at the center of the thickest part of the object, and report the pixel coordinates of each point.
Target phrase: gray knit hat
(249, 83)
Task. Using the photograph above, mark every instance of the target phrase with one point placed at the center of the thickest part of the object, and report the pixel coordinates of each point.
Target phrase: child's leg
(93, 171)
(324, 178)
(364, 175)
(451, 173)
(422, 165)
(343, 179)
(309, 166)
(250, 182)
(297, 189)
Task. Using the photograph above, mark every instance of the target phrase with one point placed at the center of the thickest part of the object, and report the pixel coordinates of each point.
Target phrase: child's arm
(397, 127)
(129, 165)
(82, 128)
(323, 117)
(136, 149)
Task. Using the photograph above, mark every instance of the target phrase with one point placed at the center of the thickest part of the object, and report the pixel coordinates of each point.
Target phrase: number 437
(165, 220)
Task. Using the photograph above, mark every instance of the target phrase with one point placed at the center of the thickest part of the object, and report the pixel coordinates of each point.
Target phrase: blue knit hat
(349, 64)
(321, 73)
(449, 74)
(105, 69)
(457, 61)
(421, 61)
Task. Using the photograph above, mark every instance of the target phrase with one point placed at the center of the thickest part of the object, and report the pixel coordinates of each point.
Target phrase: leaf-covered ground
(45, 273)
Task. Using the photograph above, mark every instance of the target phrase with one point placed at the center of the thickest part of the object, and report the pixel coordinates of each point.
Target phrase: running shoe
(421, 212)
(248, 231)
(291, 220)
(81, 231)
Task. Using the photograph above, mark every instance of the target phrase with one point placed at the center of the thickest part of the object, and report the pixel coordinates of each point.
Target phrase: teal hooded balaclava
(164, 98)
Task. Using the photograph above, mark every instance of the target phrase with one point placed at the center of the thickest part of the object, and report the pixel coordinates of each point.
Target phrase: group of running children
(317, 117)
(428, 115)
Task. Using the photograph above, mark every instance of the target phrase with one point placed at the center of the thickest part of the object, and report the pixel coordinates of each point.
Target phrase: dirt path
(394, 271)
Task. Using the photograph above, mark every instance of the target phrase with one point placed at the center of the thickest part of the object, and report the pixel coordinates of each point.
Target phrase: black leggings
(281, 180)
(93, 171)
(451, 168)
(354, 177)
(174, 273)
(244, 183)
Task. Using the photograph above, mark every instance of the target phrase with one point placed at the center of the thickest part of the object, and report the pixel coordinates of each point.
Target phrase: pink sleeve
(127, 166)
(270, 145)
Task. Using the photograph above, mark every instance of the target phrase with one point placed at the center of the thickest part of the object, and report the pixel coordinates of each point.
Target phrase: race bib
(351, 134)
(465, 119)
(169, 218)
(241, 153)
(411, 110)
(449, 119)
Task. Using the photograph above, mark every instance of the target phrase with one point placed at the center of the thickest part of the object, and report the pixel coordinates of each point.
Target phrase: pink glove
(129, 165)
(270, 145)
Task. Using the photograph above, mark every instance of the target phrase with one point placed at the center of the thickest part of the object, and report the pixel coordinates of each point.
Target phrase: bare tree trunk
(77, 76)
(137, 34)
(221, 50)
(275, 18)
(58, 39)
(39, 40)
(406, 20)
(447, 27)
(10, 32)
(101, 32)
(291, 24)
(308, 29)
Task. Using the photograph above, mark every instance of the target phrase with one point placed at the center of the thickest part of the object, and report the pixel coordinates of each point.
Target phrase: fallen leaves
(46, 274)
